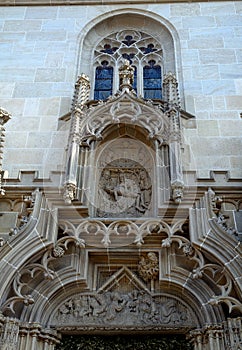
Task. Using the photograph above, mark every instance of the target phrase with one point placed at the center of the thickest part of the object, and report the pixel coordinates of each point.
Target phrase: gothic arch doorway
(125, 342)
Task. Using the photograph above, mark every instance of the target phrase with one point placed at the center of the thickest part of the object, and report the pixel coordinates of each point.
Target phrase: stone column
(9, 334)
(224, 336)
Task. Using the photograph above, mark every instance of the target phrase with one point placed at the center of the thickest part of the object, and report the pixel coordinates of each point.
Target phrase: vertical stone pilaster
(81, 95)
(4, 117)
(177, 184)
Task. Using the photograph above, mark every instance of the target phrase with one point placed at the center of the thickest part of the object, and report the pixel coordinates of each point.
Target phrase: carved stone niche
(125, 180)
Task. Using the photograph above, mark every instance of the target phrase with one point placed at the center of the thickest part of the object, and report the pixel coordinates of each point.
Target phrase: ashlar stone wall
(40, 51)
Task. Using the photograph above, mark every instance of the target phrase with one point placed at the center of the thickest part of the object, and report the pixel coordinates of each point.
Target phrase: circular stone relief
(124, 189)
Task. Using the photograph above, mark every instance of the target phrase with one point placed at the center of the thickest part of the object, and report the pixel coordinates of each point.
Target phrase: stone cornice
(91, 2)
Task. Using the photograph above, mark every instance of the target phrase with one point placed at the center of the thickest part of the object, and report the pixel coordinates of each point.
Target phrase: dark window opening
(152, 81)
(103, 81)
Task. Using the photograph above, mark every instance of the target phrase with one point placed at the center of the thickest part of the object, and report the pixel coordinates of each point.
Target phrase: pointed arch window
(143, 52)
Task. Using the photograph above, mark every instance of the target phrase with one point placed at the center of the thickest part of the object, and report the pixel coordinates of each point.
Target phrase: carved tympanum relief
(124, 183)
(122, 309)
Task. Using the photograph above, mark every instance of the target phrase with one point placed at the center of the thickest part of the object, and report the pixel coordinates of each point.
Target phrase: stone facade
(122, 215)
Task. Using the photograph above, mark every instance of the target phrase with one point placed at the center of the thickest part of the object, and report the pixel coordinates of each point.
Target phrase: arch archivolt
(64, 270)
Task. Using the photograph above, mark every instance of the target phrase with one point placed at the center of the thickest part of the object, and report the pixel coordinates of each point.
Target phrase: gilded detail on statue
(129, 309)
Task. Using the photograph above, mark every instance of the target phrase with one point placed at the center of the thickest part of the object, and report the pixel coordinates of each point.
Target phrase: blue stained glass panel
(104, 72)
(103, 84)
(103, 81)
(152, 81)
(101, 95)
(135, 79)
(153, 94)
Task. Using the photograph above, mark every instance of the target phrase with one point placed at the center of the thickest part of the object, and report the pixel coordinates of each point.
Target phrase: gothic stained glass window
(103, 81)
(144, 54)
(152, 81)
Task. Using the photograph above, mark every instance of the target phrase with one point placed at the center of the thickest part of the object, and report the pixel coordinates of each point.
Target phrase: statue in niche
(124, 190)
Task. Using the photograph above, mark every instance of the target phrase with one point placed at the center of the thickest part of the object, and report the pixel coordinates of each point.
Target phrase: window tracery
(144, 54)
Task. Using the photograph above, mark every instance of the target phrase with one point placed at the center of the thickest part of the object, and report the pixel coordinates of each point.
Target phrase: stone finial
(126, 76)
(4, 117)
(170, 89)
(82, 91)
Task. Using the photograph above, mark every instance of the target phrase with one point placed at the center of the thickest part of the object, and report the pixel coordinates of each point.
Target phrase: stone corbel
(177, 188)
(4, 117)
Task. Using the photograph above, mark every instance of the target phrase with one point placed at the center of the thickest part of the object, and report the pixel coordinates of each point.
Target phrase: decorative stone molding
(218, 275)
(89, 122)
(4, 117)
(15, 214)
(125, 231)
